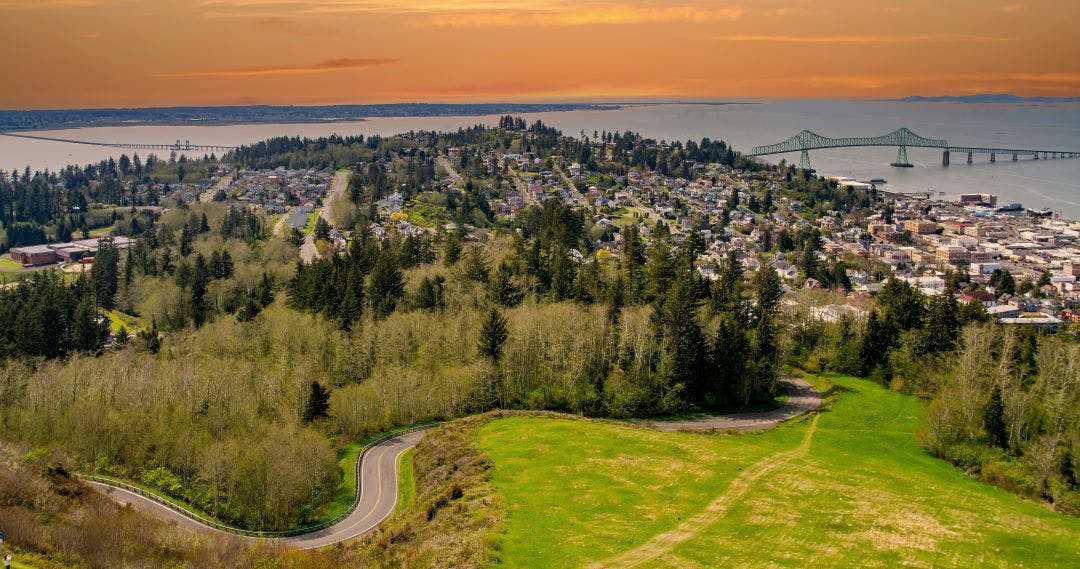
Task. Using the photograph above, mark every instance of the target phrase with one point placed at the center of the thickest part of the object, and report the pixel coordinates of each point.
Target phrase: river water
(1045, 183)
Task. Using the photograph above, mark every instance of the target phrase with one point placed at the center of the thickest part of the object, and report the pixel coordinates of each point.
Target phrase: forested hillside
(235, 373)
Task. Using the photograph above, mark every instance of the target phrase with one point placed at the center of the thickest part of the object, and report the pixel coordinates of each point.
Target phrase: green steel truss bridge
(901, 138)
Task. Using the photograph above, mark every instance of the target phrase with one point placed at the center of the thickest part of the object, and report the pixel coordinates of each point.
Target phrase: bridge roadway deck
(133, 146)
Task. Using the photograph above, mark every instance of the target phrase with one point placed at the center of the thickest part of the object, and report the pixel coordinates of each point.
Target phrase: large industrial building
(51, 253)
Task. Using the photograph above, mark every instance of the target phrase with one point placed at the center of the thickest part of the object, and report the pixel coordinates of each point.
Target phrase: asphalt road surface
(802, 398)
(378, 498)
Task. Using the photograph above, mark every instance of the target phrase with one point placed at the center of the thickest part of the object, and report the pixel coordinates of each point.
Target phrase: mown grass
(865, 494)
(310, 225)
(10, 265)
(406, 480)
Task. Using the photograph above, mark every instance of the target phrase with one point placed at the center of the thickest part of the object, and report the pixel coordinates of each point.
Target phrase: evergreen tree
(729, 353)
(768, 292)
(352, 303)
(942, 325)
(994, 419)
(492, 335)
(452, 249)
(501, 287)
(88, 329)
(387, 284)
(430, 295)
(616, 300)
(322, 229)
(684, 344)
(317, 404)
(122, 337)
(200, 277)
(476, 265)
(879, 337)
(104, 273)
(661, 269)
(186, 237)
(633, 263)
(727, 291)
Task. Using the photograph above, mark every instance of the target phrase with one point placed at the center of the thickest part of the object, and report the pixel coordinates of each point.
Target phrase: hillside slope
(848, 487)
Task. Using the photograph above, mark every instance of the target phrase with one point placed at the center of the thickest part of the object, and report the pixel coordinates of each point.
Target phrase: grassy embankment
(851, 488)
(310, 226)
(119, 320)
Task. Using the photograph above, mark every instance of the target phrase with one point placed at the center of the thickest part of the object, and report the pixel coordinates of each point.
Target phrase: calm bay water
(1046, 183)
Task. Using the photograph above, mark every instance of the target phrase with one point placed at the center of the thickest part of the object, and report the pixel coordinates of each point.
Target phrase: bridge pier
(993, 157)
(1014, 157)
(945, 158)
(969, 158)
(804, 160)
(901, 158)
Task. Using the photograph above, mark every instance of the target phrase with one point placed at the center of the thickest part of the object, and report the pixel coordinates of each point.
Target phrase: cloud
(1011, 8)
(46, 4)
(589, 16)
(482, 12)
(321, 67)
(869, 38)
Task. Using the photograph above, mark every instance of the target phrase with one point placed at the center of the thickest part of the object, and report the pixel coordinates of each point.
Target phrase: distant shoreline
(64, 119)
(987, 98)
(68, 119)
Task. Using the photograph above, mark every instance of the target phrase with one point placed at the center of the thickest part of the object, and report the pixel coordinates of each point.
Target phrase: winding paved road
(379, 476)
(802, 398)
(378, 498)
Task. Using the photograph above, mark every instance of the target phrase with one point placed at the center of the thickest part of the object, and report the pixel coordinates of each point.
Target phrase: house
(981, 296)
(1043, 322)
(1004, 311)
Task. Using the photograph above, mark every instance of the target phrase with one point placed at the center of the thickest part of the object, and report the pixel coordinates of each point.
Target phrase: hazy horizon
(128, 54)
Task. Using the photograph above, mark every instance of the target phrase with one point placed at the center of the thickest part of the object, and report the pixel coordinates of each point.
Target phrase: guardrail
(172, 505)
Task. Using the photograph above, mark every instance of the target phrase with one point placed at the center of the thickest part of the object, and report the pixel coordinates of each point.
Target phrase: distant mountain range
(988, 98)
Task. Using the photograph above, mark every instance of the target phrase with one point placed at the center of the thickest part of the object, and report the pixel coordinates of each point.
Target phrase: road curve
(802, 398)
(379, 475)
(378, 498)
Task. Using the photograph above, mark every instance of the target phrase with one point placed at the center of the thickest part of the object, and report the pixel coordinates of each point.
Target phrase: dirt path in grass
(661, 545)
(802, 398)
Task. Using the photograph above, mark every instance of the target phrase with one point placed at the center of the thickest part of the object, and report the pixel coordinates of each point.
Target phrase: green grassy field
(118, 319)
(9, 265)
(848, 487)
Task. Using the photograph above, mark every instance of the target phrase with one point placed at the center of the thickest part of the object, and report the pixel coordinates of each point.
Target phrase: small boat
(1011, 207)
(1044, 212)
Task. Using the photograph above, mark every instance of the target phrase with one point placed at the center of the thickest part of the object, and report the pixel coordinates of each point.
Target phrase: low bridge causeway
(185, 146)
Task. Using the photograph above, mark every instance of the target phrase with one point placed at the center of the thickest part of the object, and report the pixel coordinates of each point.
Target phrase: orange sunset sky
(95, 53)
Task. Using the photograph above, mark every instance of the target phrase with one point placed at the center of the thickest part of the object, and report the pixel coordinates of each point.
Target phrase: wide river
(1045, 183)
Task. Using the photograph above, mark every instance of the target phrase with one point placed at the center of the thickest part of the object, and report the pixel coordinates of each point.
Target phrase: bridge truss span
(901, 138)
